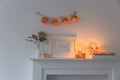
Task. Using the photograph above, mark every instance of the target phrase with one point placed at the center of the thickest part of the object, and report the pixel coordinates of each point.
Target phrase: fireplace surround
(77, 77)
(43, 69)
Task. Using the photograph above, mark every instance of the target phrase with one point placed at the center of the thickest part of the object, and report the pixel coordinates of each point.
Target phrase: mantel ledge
(72, 59)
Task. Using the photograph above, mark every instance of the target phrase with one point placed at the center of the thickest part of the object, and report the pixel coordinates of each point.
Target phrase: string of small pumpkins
(59, 20)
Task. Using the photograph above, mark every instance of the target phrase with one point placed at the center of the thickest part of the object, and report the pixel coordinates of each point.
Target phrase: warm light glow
(88, 51)
(80, 53)
(82, 50)
(93, 47)
(89, 55)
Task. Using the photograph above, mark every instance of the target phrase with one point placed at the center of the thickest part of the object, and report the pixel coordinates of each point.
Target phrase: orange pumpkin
(74, 18)
(54, 22)
(64, 20)
(45, 20)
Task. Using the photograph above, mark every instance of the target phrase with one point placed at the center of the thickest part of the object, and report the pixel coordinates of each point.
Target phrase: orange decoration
(58, 20)
(93, 48)
(54, 22)
(64, 20)
(80, 55)
(44, 20)
(74, 18)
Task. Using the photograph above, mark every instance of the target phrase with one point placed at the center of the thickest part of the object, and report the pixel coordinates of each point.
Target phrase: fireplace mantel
(70, 66)
(73, 59)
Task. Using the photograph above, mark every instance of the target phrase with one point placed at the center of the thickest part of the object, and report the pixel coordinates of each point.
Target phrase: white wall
(99, 21)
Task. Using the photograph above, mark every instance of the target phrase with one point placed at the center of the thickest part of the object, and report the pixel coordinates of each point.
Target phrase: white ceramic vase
(39, 51)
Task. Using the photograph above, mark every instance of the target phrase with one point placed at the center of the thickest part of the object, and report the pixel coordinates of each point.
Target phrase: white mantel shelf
(71, 59)
(95, 58)
(43, 67)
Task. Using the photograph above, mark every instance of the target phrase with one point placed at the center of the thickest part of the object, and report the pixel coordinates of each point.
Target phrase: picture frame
(62, 46)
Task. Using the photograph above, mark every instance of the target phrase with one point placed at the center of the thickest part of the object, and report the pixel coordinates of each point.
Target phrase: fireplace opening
(77, 77)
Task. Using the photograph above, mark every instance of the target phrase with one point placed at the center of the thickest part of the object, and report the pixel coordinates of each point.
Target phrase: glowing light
(88, 51)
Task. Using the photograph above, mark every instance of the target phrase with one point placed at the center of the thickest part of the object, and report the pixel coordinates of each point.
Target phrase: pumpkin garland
(55, 22)
(59, 20)
(74, 17)
(44, 20)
